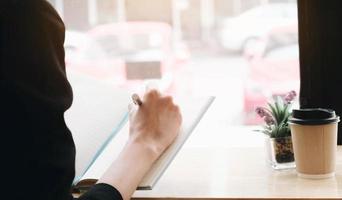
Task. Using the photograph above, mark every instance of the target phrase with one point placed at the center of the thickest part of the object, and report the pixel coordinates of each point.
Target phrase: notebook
(100, 130)
(97, 113)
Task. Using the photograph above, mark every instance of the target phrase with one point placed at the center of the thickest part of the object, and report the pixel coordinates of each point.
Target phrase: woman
(38, 149)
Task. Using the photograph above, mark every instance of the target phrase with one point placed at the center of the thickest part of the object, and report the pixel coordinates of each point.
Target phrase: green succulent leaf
(280, 111)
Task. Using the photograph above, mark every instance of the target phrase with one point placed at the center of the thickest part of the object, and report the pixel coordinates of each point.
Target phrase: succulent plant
(276, 115)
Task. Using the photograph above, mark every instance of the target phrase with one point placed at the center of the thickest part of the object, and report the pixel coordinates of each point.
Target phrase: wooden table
(237, 173)
(221, 161)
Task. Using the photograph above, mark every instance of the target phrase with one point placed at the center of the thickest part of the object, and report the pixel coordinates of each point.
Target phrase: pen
(136, 100)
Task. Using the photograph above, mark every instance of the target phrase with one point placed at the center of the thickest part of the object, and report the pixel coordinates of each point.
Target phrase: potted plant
(278, 141)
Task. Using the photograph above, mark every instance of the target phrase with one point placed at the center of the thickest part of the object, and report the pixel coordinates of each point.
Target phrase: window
(243, 52)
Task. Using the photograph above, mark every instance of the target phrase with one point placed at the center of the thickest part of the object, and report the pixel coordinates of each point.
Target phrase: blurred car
(277, 37)
(272, 72)
(236, 32)
(147, 50)
(128, 54)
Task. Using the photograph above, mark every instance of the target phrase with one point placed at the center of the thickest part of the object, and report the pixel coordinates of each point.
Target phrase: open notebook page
(192, 111)
(97, 112)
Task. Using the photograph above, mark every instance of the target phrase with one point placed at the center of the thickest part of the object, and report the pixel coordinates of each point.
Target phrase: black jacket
(38, 152)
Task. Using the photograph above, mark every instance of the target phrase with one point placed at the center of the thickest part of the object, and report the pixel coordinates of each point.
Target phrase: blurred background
(244, 52)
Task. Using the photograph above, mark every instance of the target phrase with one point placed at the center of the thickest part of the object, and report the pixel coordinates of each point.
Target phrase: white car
(237, 32)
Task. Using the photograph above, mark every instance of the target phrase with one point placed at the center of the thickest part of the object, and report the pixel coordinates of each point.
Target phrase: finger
(176, 109)
(152, 94)
(167, 100)
(178, 113)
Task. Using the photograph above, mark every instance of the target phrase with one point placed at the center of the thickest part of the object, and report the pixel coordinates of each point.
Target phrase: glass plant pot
(280, 152)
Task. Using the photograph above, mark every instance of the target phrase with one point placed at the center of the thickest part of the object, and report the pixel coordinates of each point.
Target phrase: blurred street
(221, 76)
(233, 50)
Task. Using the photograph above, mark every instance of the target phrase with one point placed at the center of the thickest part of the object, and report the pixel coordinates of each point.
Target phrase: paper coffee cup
(314, 138)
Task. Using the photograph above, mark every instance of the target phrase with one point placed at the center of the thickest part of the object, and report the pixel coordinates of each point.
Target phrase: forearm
(126, 172)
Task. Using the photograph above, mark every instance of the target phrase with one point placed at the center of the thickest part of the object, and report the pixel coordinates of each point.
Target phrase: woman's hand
(155, 123)
(153, 127)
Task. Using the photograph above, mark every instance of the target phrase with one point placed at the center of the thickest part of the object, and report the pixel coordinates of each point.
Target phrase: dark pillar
(320, 44)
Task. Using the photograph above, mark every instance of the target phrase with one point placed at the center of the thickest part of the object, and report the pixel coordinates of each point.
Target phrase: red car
(274, 70)
(131, 53)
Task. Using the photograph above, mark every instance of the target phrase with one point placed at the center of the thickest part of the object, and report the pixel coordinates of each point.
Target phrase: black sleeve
(102, 191)
(38, 153)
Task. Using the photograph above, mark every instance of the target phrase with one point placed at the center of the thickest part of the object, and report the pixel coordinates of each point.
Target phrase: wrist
(127, 171)
(148, 150)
